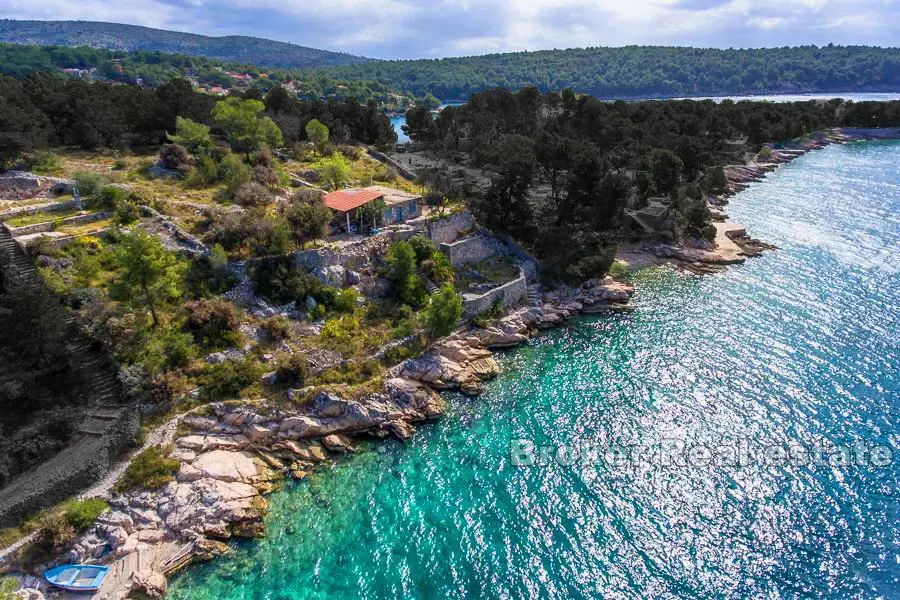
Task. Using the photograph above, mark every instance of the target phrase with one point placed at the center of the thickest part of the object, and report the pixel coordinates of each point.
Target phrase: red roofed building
(398, 206)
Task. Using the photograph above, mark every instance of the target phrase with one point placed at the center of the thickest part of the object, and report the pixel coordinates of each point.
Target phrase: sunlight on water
(793, 347)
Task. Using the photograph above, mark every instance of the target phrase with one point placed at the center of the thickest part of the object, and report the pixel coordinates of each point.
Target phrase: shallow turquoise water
(798, 345)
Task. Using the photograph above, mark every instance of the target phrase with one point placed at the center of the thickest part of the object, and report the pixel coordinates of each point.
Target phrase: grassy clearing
(150, 469)
(42, 217)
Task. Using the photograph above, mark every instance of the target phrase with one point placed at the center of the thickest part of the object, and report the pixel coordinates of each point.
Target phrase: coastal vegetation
(564, 166)
(154, 68)
(642, 71)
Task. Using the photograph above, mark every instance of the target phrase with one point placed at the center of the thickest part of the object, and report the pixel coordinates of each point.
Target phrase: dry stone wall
(510, 294)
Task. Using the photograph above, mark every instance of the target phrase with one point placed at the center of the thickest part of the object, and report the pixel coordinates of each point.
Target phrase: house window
(412, 208)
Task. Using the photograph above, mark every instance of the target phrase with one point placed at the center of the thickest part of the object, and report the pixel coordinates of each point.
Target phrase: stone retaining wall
(510, 293)
(82, 463)
(403, 171)
(446, 230)
(54, 223)
(472, 249)
(30, 210)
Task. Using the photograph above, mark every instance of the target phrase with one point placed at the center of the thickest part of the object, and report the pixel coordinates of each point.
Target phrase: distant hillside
(644, 71)
(115, 36)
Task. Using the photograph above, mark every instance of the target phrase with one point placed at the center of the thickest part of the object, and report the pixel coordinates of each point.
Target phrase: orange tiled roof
(347, 200)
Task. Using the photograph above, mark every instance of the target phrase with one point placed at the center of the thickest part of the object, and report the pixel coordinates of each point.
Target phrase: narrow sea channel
(795, 350)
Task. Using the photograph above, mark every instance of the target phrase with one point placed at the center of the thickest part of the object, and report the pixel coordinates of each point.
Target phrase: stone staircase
(430, 286)
(534, 294)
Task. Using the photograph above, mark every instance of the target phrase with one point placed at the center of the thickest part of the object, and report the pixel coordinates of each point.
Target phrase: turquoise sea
(733, 437)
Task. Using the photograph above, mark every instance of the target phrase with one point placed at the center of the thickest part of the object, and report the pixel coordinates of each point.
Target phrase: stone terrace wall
(52, 224)
(510, 293)
(446, 230)
(64, 475)
(472, 249)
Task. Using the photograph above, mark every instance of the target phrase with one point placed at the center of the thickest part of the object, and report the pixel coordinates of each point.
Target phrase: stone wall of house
(447, 230)
(472, 249)
(510, 293)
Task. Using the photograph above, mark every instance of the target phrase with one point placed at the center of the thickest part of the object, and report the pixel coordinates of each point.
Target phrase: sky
(438, 28)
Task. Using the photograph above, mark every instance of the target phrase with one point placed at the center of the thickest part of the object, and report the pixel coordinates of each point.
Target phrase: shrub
(205, 173)
(307, 215)
(149, 469)
(175, 157)
(254, 229)
(165, 348)
(234, 173)
(589, 267)
(213, 323)
(81, 514)
(9, 587)
(45, 162)
(55, 533)
(266, 176)
(443, 311)
(126, 212)
(423, 247)
(227, 379)
(401, 270)
(42, 245)
(89, 184)
(342, 301)
(335, 170)
(252, 194)
(276, 280)
(277, 327)
(293, 370)
(110, 196)
(193, 136)
(619, 269)
(495, 311)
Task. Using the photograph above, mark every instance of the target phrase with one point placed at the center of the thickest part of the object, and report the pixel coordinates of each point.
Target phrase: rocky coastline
(232, 454)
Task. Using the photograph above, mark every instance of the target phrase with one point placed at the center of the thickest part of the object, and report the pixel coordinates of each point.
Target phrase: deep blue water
(796, 349)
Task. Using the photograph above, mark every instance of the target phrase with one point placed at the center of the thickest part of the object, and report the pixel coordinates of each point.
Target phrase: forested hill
(644, 71)
(116, 36)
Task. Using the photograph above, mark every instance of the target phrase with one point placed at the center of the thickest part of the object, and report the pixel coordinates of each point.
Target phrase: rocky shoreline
(232, 454)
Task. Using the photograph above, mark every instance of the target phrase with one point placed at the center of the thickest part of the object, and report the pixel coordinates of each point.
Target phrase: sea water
(734, 436)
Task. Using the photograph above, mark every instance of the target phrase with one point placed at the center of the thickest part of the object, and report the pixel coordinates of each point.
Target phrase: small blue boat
(77, 578)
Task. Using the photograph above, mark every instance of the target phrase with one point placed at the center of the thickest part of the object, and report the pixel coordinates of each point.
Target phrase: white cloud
(411, 28)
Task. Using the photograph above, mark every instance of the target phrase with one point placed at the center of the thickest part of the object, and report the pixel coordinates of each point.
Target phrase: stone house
(397, 206)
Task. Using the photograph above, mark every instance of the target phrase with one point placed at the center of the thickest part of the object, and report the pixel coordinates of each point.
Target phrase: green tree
(150, 274)
(665, 169)
(401, 270)
(317, 133)
(335, 170)
(246, 130)
(193, 136)
(307, 215)
(443, 311)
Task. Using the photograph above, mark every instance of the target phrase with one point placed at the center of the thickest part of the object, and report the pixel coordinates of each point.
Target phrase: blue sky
(423, 28)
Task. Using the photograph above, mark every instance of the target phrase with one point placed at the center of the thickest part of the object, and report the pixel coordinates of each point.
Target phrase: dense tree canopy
(643, 71)
(44, 110)
(565, 167)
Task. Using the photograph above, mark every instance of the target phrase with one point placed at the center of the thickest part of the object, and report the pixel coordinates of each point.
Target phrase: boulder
(328, 404)
(227, 466)
(151, 584)
(336, 443)
(258, 433)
